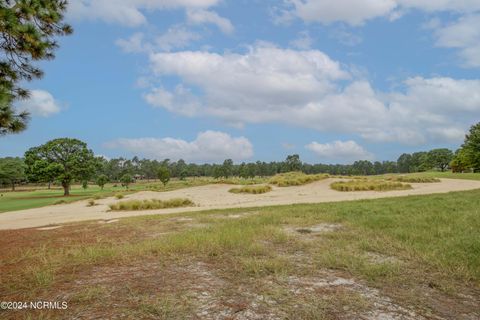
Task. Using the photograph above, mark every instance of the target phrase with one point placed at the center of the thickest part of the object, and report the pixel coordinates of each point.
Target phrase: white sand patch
(216, 196)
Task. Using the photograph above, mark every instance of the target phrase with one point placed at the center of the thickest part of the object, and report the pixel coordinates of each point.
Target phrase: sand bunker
(214, 196)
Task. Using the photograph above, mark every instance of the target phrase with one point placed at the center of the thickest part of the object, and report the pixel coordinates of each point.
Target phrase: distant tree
(227, 168)
(163, 175)
(183, 174)
(12, 170)
(251, 170)
(293, 162)
(63, 159)
(85, 184)
(27, 32)
(471, 148)
(126, 180)
(440, 158)
(217, 172)
(102, 180)
(404, 163)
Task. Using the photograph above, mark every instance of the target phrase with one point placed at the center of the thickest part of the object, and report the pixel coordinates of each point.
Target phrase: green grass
(135, 205)
(12, 201)
(368, 185)
(295, 179)
(251, 189)
(433, 242)
(446, 175)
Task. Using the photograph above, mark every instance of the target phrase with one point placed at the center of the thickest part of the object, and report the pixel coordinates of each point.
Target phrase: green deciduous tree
(62, 159)
(27, 33)
(12, 170)
(468, 156)
(293, 162)
(126, 180)
(227, 168)
(163, 174)
(102, 180)
(440, 158)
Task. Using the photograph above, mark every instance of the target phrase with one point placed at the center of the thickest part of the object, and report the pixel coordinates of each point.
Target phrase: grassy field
(11, 201)
(417, 255)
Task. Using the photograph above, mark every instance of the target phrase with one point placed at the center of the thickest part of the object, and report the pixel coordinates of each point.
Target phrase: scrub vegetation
(252, 189)
(153, 204)
(369, 185)
(296, 179)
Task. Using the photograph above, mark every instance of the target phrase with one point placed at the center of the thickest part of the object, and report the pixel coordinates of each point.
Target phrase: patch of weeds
(296, 179)
(251, 189)
(134, 205)
(368, 185)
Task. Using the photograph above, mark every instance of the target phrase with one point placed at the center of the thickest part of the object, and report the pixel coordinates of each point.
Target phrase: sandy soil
(214, 197)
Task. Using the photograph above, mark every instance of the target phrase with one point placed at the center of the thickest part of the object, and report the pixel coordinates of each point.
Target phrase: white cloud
(308, 89)
(303, 42)
(463, 34)
(353, 12)
(128, 12)
(175, 37)
(40, 103)
(342, 151)
(209, 146)
(200, 16)
(356, 12)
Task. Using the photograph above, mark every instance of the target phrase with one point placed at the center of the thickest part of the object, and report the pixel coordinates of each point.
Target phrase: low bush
(369, 185)
(119, 196)
(251, 189)
(60, 202)
(409, 179)
(134, 205)
(295, 179)
(91, 203)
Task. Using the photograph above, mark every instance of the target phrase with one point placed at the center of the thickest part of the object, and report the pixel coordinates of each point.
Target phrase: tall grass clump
(119, 196)
(134, 205)
(251, 189)
(295, 179)
(369, 185)
(409, 179)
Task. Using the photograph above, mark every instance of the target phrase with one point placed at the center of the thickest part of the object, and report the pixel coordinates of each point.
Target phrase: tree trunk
(66, 189)
(13, 185)
(49, 184)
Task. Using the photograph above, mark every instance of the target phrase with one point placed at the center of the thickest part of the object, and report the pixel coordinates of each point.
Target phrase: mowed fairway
(214, 196)
(415, 257)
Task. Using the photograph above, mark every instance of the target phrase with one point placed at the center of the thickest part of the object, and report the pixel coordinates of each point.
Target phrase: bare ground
(214, 196)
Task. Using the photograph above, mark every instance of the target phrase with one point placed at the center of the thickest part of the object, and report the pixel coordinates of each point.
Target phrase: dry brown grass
(296, 179)
(134, 205)
(251, 189)
(368, 185)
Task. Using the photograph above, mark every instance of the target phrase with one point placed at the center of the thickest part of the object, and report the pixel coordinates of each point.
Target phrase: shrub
(251, 189)
(91, 203)
(296, 179)
(60, 202)
(368, 185)
(133, 205)
(119, 196)
(414, 179)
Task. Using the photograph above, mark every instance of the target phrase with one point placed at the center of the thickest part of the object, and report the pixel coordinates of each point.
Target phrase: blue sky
(205, 80)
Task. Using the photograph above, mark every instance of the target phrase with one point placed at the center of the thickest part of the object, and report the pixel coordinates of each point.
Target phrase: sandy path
(215, 197)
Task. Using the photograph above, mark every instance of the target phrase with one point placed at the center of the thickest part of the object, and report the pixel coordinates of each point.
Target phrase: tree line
(66, 160)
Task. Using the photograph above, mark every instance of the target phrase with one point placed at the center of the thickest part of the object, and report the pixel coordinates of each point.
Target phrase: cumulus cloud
(463, 34)
(200, 16)
(40, 103)
(357, 13)
(175, 37)
(209, 146)
(128, 12)
(308, 89)
(342, 151)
